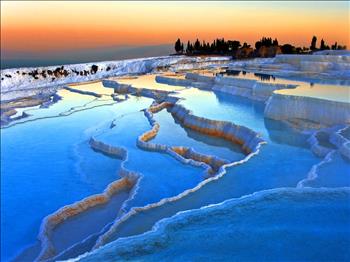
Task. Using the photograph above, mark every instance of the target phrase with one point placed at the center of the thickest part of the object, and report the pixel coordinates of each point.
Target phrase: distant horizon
(47, 32)
(48, 26)
(16, 59)
(85, 55)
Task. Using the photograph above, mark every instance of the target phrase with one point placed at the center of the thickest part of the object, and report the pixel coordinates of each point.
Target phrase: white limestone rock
(284, 107)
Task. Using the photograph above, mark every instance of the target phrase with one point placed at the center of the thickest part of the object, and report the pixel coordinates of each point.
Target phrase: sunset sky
(48, 26)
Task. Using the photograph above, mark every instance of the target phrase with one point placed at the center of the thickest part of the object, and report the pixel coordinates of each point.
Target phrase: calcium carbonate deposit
(146, 158)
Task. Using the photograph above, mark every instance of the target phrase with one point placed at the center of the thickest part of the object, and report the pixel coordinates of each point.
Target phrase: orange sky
(44, 26)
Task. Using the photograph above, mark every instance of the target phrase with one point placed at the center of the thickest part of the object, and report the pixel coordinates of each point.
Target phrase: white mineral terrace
(21, 82)
(335, 66)
(319, 111)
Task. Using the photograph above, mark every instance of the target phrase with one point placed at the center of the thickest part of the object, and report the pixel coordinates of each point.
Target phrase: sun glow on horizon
(47, 26)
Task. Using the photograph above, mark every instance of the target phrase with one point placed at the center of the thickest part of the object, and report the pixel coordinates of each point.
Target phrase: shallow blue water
(274, 167)
(283, 161)
(162, 173)
(277, 225)
(333, 174)
(221, 106)
(173, 134)
(48, 163)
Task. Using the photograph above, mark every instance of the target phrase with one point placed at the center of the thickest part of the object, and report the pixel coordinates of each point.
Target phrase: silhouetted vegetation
(324, 46)
(313, 43)
(267, 42)
(265, 47)
(288, 49)
(179, 47)
(94, 69)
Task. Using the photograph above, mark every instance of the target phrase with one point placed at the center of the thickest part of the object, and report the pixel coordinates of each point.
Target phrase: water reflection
(94, 86)
(147, 81)
(321, 91)
(255, 76)
(265, 77)
(332, 92)
(280, 133)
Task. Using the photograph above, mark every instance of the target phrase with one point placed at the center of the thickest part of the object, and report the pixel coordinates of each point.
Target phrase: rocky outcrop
(285, 107)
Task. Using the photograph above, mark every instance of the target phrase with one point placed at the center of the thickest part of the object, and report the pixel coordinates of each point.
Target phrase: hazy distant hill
(19, 59)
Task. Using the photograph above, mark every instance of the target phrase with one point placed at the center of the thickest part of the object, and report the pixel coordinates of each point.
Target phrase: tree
(189, 47)
(234, 45)
(323, 45)
(245, 45)
(179, 46)
(313, 43)
(335, 46)
(214, 46)
(275, 42)
(266, 41)
(288, 49)
(341, 47)
(204, 45)
(197, 45)
(258, 44)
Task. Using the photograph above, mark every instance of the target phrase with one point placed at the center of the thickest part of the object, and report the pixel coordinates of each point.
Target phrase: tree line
(232, 47)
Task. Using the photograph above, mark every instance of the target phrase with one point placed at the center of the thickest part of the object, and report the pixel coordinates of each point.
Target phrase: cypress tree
(178, 46)
(313, 43)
